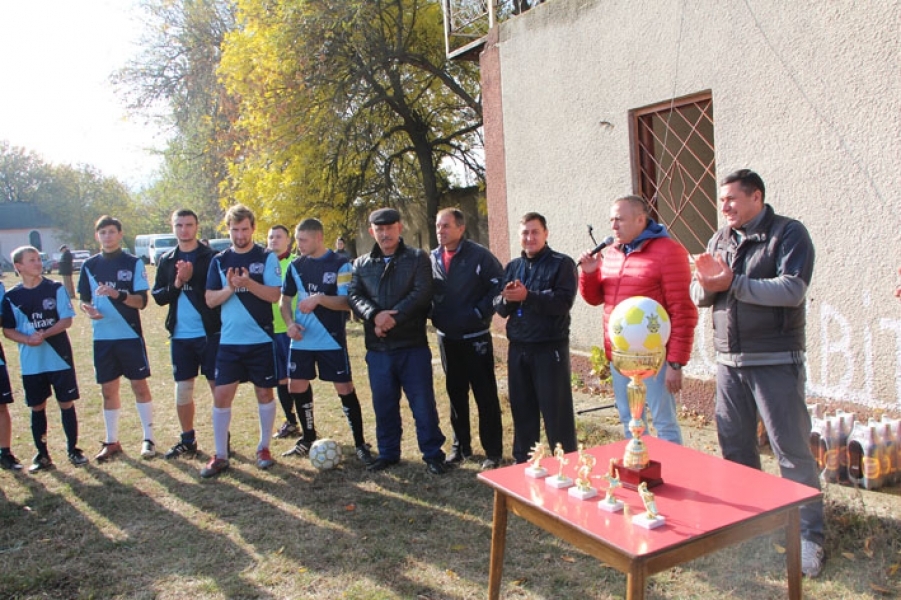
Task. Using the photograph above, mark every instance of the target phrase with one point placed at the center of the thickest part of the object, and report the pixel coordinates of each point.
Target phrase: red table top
(700, 495)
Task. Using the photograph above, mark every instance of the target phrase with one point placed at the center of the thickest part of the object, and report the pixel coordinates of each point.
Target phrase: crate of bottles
(852, 452)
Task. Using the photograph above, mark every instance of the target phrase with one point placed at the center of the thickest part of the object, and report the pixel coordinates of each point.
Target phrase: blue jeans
(659, 400)
(410, 370)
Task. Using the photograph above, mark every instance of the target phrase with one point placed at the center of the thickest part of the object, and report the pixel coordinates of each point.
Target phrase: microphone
(607, 241)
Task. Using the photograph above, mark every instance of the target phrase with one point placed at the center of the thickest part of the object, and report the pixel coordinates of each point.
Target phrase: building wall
(807, 93)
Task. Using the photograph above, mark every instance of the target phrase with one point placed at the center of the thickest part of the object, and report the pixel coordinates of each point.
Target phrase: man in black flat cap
(391, 291)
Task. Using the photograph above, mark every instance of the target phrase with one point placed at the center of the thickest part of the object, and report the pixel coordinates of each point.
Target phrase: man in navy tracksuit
(466, 279)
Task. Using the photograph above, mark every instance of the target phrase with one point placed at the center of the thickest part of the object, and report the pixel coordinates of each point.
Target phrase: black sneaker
(41, 462)
(287, 429)
(10, 462)
(364, 454)
(77, 457)
(492, 462)
(456, 456)
(380, 464)
(188, 449)
(436, 467)
(301, 449)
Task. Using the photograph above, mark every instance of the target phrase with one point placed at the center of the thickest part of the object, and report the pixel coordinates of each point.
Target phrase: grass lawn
(146, 529)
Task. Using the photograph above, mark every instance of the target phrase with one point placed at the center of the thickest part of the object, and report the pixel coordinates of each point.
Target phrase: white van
(150, 246)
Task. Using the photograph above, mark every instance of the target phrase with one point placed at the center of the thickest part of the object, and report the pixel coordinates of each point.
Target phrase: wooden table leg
(498, 544)
(635, 584)
(793, 553)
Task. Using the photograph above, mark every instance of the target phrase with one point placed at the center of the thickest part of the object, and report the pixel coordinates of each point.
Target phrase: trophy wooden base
(631, 477)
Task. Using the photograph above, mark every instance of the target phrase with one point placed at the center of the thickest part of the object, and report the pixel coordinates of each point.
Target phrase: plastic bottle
(889, 453)
(829, 448)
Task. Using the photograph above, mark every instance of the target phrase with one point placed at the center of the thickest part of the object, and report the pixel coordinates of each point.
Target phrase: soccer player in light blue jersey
(8, 460)
(113, 290)
(193, 327)
(245, 281)
(316, 283)
(36, 314)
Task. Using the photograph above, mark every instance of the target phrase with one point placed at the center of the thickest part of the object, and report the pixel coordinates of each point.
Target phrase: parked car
(220, 244)
(47, 262)
(78, 258)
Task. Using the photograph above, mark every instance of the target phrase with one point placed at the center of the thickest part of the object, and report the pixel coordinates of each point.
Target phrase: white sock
(145, 411)
(111, 420)
(267, 421)
(222, 418)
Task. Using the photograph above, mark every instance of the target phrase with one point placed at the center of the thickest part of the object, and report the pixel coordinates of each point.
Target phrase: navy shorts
(333, 365)
(282, 348)
(38, 387)
(254, 363)
(194, 355)
(6, 390)
(115, 358)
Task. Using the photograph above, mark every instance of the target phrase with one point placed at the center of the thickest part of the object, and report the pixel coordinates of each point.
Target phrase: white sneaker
(148, 449)
(811, 558)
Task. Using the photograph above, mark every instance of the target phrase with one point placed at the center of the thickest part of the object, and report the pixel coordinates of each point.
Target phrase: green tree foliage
(22, 174)
(72, 197)
(346, 105)
(175, 74)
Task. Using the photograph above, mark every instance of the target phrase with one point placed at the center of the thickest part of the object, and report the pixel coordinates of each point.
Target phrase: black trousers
(540, 387)
(469, 364)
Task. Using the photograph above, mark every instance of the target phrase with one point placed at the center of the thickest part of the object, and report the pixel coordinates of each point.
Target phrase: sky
(56, 99)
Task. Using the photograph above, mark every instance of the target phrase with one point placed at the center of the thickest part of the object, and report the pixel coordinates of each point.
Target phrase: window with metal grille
(674, 166)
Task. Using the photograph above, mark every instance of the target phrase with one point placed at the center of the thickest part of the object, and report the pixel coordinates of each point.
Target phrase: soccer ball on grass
(325, 454)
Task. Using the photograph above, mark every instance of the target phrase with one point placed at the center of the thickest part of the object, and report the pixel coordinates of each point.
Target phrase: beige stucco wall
(806, 93)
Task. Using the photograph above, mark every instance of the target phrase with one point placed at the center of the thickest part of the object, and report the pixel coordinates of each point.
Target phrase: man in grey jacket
(755, 275)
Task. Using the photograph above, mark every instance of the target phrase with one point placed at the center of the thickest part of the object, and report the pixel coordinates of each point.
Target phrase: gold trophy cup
(639, 329)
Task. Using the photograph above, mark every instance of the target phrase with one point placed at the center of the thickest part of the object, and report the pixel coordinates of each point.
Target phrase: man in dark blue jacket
(391, 291)
(467, 278)
(539, 290)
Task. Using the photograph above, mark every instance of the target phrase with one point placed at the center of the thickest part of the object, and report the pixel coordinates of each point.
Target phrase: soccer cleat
(364, 454)
(148, 449)
(264, 459)
(286, 430)
(181, 449)
(301, 449)
(214, 467)
(10, 462)
(492, 462)
(77, 457)
(811, 558)
(41, 462)
(108, 450)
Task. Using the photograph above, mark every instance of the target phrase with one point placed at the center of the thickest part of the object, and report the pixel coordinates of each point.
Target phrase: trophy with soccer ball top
(639, 328)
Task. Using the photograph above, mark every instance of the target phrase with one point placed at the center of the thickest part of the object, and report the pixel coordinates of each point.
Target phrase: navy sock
(39, 430)
(70, 427)
(287, 402)
(351, 407)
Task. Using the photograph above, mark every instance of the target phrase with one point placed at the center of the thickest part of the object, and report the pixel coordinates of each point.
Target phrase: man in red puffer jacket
(645, 261)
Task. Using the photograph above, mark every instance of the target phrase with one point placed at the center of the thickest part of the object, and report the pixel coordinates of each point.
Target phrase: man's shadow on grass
(152, 541)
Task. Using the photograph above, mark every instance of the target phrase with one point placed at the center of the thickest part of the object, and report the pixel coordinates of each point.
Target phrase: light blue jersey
(30, 310)
(246, 319)
(324, 329)
(125, 273)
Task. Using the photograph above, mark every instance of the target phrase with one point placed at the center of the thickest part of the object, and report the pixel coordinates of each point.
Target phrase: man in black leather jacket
(539, 290)
(391, 291)
(193, 326)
